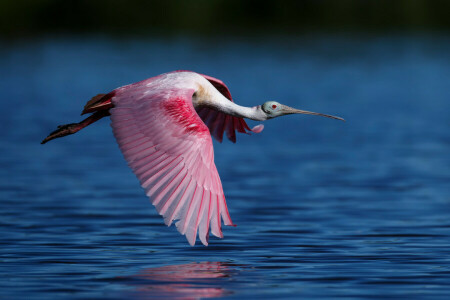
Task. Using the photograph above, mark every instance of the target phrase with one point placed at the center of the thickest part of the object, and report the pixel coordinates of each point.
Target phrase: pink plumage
(169, 148)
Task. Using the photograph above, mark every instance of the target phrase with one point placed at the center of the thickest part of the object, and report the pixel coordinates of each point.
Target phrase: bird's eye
(270, 107)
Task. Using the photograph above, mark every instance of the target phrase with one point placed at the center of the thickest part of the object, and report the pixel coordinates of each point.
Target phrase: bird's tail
(72, 128)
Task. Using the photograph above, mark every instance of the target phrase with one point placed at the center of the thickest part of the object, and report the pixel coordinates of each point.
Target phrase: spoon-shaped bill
(289, 110)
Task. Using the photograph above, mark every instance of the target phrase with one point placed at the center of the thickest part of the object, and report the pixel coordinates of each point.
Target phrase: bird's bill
(289, 110)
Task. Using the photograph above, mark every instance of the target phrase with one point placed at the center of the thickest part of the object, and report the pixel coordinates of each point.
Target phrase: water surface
(324, 209)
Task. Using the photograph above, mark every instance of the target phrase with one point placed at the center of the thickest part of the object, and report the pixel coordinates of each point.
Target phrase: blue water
(325, 209)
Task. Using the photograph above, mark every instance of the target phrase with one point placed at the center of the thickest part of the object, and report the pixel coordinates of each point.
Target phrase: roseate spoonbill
(163, 126)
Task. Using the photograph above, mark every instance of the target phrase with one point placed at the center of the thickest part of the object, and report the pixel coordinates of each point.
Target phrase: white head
(272, 109)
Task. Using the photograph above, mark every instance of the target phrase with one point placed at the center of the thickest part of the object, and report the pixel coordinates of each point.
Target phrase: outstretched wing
(170, 150)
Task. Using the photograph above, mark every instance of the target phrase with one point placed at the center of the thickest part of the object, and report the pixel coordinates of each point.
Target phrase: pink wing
(170, 150)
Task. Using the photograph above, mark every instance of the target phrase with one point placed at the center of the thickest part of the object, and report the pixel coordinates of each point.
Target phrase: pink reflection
(188, 281)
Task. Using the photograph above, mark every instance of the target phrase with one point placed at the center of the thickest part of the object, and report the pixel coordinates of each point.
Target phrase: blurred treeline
(36, 17)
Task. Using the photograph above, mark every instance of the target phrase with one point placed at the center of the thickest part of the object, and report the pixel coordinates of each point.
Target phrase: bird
(164, 127)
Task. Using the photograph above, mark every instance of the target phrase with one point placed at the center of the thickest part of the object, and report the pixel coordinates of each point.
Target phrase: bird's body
(163, 126)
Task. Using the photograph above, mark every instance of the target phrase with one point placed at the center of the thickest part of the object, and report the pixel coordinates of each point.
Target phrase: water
(324, 209)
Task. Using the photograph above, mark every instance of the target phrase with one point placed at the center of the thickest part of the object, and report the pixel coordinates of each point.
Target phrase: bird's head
(273, 109)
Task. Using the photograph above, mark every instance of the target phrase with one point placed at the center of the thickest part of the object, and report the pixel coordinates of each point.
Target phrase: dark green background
(212, 17)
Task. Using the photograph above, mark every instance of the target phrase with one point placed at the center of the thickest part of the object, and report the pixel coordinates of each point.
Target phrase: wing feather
(180, 208)
(170, 150)
(215, 217)
(204, 217)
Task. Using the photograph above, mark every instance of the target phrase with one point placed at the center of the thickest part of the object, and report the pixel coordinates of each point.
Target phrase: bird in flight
(163, 126)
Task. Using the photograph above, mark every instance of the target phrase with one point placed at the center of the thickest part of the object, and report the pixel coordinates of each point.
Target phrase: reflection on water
(188, 281)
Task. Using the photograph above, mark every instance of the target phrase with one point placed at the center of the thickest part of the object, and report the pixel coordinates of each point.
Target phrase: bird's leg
(72, 128)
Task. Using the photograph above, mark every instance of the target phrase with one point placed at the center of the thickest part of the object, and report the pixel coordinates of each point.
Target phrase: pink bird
(163, 126)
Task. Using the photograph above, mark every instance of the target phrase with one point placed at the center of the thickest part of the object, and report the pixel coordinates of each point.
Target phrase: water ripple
(324, 210)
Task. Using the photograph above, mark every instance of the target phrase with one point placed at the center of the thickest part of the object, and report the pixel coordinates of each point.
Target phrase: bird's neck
(218, 102)
(233, 109)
